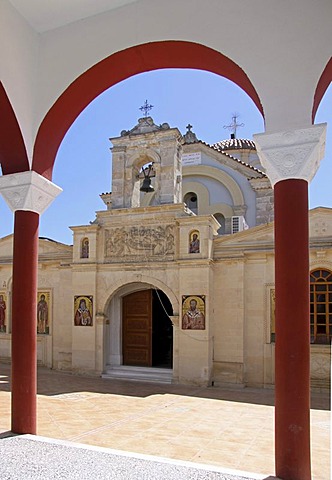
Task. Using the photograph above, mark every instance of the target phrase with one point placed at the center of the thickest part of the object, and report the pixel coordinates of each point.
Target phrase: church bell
(148, 173)
(146, 185)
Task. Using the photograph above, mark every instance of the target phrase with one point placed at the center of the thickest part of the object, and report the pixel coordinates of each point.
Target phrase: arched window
(221, 219)
(190, 199)
(320, 306)
(85, 248)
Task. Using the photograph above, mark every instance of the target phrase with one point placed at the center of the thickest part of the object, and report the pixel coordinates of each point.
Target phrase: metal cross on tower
(234, 125)
(146, 108)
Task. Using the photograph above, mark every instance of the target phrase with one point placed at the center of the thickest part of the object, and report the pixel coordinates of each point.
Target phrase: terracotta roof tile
(235, 144)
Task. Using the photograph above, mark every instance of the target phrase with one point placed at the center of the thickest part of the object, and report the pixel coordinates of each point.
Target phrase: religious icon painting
(43, 312)
(3, 312)
(83, 310)
(194, 242)
(193, 312)
(85, 247)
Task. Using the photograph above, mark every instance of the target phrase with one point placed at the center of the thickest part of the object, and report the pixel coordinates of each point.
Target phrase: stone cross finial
(189, 136)
(146, 108)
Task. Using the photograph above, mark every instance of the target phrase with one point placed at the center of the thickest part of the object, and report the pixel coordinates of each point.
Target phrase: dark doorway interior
(162, 331)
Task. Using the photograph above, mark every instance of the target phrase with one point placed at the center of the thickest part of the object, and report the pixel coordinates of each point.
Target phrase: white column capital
(294, 154)
(28, 191)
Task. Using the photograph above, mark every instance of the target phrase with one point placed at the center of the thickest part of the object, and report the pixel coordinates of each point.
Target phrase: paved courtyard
(227, 428)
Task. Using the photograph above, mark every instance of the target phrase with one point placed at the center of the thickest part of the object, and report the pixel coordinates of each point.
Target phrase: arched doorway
(147, 332)
(151, 315)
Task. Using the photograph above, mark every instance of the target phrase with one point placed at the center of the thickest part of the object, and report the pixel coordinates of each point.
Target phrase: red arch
(13, 154)
(324, 82)
(118, 67)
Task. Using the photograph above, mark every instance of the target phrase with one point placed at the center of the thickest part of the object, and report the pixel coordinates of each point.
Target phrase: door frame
(113, 313)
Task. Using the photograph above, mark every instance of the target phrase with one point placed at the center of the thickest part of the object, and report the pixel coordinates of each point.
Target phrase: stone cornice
(28, 191)
(260, 184)
(84, 228)
(294, 154)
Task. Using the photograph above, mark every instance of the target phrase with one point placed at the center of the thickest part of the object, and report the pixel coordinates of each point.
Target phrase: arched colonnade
(291, 159)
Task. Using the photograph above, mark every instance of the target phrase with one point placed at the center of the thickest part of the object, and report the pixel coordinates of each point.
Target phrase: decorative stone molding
(101, 319)
(292, 154)
(134, 243)
(320, 254)
(320, 262)
(28, 191)
(240, 209)
(260, 184)
(145, 125)
(175, 319)
(320, 227)
(219, 175)
(107, 199)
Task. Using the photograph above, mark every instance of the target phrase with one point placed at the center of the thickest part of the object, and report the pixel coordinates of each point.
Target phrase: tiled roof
(215, 146)
(235, 144)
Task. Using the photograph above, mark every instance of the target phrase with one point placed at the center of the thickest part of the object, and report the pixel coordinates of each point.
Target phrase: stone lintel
(294, 154)
(28, 191)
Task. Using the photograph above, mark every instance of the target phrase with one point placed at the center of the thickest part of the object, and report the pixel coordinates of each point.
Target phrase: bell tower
(146, 148)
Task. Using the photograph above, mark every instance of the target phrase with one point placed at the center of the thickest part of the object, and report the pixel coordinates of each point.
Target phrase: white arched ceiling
(273, 46)
(276, 63)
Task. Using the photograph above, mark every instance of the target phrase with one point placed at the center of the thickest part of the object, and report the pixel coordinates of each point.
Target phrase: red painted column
(24, 323)
(292, 354)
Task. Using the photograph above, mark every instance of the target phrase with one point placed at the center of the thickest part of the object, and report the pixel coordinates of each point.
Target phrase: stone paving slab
(230, 429)
(29, 457)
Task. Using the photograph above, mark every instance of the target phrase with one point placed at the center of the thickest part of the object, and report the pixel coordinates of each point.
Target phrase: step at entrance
(142, 374)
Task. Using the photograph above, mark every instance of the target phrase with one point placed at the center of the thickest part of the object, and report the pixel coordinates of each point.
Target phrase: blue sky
(205, 100)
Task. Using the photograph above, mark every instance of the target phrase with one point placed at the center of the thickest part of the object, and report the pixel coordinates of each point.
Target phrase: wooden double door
(147, 334)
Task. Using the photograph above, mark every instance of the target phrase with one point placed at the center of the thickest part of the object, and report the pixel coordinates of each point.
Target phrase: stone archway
(13, 154)
(322, 85)
(30, 192)
(142, 330)
(108, 72)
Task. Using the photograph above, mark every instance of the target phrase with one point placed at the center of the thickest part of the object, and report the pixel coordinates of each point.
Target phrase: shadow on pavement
(51, 383)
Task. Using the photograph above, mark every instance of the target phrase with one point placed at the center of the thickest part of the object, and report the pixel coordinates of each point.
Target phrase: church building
(174, 279)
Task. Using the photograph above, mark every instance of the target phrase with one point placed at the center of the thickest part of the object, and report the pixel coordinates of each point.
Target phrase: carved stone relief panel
(139, 243)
